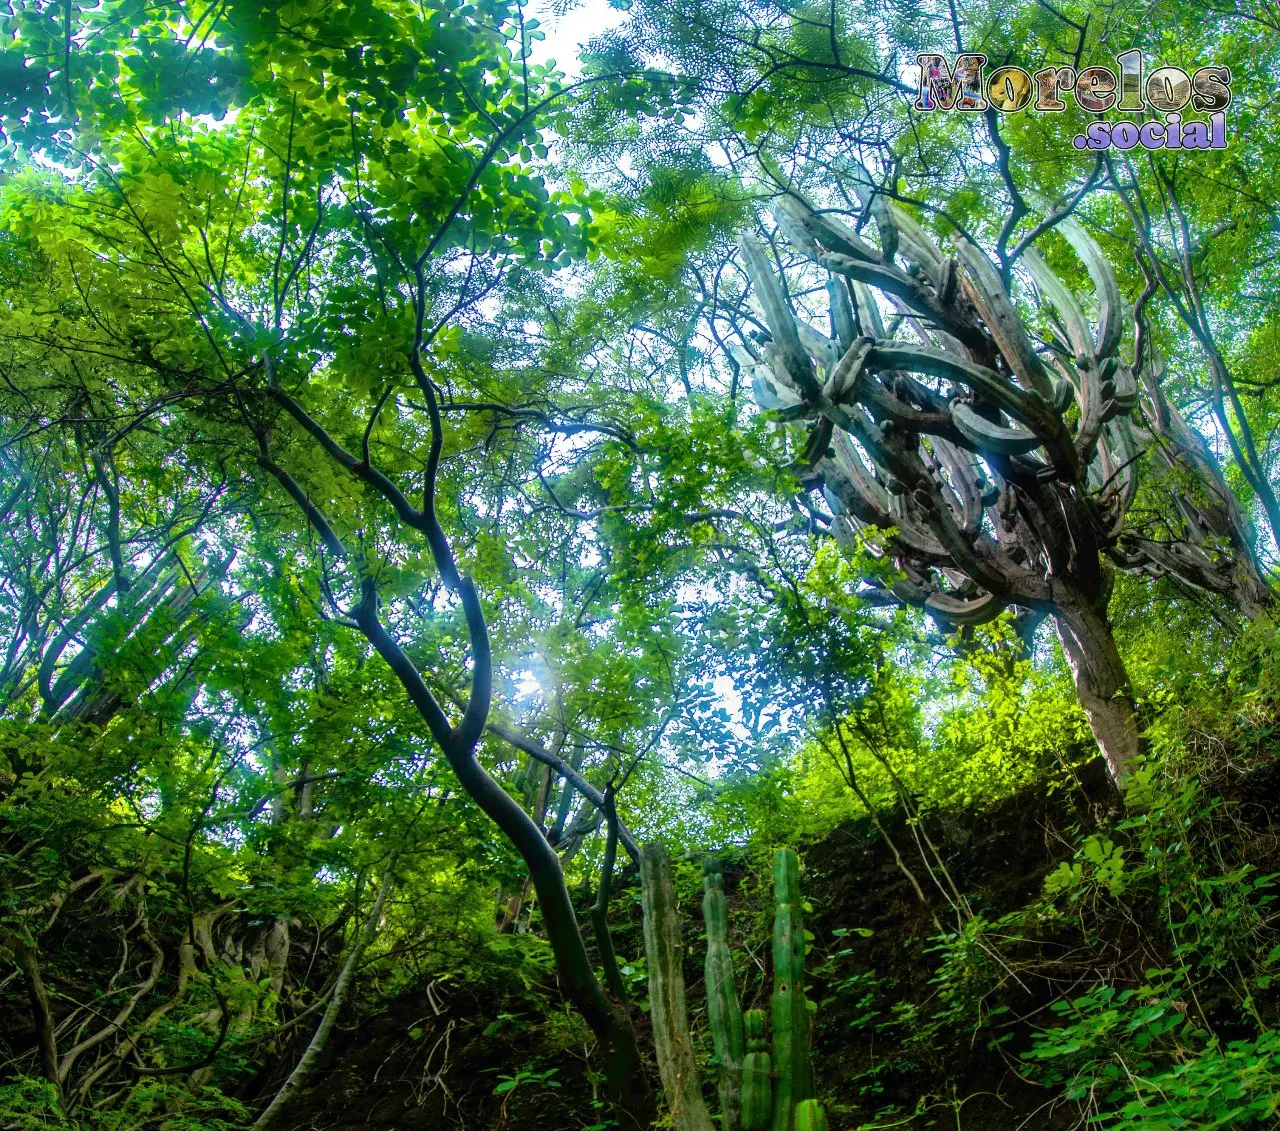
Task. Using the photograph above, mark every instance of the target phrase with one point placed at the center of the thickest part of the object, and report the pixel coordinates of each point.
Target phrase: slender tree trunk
(28, 961)
(306, 1065)
(600, 912)
(623, 1069)
(612, 1026)
(1102, 684)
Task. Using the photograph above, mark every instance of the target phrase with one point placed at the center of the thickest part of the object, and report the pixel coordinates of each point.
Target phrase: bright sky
(567, 33)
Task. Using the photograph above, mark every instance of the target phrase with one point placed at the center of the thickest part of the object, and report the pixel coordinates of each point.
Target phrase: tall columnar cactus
(757, 1069)
(758, 1091)
(793, 1077)
(723, 1012)
(810, 1116)
(667, 1009)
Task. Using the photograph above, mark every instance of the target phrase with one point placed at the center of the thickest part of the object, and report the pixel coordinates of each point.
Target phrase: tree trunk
(306, 1065)
(28, 961)
(1252, 595)
(1102, 684)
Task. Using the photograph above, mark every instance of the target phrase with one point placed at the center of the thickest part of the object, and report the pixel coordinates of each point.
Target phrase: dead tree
(997, 466)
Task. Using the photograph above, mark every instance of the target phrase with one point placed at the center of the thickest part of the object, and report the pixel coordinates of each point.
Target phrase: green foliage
(199, 759)
(28, 1104)
(973, 729)
(1135, 1059)
(1099, 863)
(1159, 1051)
(527, 1078)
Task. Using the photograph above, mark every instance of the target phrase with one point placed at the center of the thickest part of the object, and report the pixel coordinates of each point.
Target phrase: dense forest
(719, 578)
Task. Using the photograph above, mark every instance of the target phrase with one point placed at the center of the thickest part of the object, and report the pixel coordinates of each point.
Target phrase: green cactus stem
(670, 1015)
(810, 1116)
(757, 1090)
(793, 1076)
(723, 1011)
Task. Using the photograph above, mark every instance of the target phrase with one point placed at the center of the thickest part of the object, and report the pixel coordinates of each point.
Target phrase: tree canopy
(444, 492)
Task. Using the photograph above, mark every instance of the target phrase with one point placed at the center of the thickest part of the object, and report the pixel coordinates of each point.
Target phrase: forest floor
(921, 1017)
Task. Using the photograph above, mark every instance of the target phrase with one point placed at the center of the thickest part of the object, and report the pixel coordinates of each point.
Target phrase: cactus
(759, 1091)
(757, 1067)
(992, 437)
(668, 1012)
(810, 1116)
(985, 435)
(793, 1076)
(723, 1011)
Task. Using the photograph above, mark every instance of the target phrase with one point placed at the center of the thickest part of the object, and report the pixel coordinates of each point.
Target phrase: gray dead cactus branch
(997, 453)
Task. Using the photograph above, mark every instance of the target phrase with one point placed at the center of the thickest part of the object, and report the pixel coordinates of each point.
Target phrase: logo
(1164, 93)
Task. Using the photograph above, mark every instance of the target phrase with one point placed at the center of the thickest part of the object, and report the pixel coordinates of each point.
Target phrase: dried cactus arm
(810, 229)
(1126, 388)
(963, 474)
(917, 247)
(1021, 405)
(936, 338)
(987, 436)
(1106, 288)
(783, 372)
(769, 395)
(861, 504)
(1059, 294)
(843, 328)
(908, 591)
(876, 508)
(914, 535)
(897, 229)
(850, 462)
(981, 559)
(1088, 378)
(778, 316)
(964, 553)
(1126, 451)
(770, 392)
(964, 515)
(855, 420)
(867, 310)
(965, 610)
(825, 351)
(851, 383)
(921, 300)
(982, 285)
(875, 202)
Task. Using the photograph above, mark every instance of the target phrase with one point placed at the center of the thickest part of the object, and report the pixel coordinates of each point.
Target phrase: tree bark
(624, 1072)
(1102, 683)
(600, 912)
